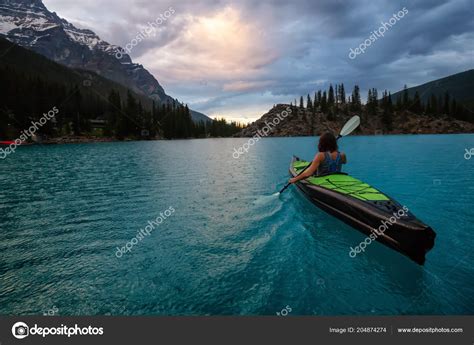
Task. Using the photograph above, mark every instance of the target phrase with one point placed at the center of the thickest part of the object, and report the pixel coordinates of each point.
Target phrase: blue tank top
(329, 165)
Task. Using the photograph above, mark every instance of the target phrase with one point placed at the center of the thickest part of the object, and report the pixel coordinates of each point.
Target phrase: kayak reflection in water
(328, 160)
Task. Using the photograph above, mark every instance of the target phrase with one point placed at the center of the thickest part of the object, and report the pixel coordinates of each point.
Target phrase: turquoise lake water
(226, 249)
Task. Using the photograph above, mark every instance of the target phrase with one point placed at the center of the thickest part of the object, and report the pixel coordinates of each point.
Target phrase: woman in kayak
(327, 160)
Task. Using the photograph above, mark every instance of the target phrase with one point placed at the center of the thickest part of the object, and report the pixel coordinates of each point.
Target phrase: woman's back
(331, 163)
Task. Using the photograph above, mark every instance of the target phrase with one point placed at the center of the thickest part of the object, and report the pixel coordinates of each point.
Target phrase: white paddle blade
(350, 125)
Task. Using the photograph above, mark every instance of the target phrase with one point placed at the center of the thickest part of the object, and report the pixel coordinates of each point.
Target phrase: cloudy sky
(238, 58)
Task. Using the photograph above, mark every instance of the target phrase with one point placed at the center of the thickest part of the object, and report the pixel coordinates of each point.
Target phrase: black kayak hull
(407, 235)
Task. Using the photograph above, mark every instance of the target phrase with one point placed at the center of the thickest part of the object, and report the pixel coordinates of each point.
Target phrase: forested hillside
(88, 104)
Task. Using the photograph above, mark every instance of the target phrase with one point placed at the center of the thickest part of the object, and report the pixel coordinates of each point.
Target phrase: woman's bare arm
(310, 171)
(343, 158)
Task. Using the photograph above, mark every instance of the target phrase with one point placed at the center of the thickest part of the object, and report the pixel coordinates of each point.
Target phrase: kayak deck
(344, 184)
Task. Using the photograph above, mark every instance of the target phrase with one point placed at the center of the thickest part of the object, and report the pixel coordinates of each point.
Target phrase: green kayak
(368, 210)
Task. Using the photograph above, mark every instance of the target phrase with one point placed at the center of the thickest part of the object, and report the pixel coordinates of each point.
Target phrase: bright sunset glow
(221, 46)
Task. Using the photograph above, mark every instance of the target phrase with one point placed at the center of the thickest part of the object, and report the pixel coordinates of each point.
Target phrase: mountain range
(30, 24)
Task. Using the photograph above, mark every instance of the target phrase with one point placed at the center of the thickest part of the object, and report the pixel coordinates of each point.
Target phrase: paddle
(348, 128)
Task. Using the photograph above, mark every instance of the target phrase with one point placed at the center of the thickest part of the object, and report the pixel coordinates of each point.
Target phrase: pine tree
(375, 95)
(331, 95)
(446, 103)
(405, 97)
(387, 119)
(342, 94)
(433, 104)
(384, 101)
(125, 126)
(324, 102)
(309, 103)
(369, 100)
(387, 115)
(113, 112)
(372, 101)
(398, 102)
(356, 100)
(77, 120)
(454, 108)
(416, 107)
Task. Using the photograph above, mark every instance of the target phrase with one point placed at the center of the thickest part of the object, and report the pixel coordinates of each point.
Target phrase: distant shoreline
(94, 140)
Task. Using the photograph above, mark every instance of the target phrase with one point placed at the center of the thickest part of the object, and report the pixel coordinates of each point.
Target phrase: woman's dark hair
(327, 143)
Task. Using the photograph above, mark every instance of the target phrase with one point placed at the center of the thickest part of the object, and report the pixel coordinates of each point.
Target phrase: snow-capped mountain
(30, 24)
